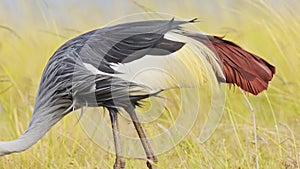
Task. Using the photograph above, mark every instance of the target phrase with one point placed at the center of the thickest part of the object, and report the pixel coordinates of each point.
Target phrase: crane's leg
(146, 145)
(120, 161)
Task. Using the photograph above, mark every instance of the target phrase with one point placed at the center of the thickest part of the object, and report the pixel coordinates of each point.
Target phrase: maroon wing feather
(240, 67)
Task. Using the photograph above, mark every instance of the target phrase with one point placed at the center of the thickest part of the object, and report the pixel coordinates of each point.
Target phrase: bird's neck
(40, 124)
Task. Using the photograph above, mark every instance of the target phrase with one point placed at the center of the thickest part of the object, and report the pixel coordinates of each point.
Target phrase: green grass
(27, 42)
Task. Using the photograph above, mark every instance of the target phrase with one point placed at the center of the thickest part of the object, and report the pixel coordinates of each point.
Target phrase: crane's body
(91, 70)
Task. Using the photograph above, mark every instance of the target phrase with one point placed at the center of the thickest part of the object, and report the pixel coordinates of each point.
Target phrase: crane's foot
(152, 160)
(119, 163)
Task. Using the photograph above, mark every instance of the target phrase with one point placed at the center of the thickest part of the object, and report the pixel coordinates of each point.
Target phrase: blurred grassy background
(30, 31)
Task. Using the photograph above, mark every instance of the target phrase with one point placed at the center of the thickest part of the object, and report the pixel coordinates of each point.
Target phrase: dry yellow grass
(31, 31)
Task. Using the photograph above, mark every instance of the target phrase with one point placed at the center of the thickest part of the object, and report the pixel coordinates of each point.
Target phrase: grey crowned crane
(90, 71)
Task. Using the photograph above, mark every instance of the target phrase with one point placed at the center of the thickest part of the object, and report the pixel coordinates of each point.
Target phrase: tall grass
(30, 33)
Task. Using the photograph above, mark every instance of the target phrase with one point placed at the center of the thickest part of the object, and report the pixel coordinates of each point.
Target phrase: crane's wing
(111, 50)
(240, 67)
